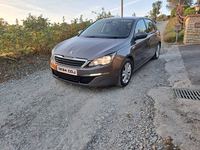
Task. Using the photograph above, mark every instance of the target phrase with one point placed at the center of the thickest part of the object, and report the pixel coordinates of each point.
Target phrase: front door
(141, 46)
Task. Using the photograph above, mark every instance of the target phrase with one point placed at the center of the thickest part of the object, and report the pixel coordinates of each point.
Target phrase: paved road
(161, 26)
(176, 117)
(40, 112)
(191, 58)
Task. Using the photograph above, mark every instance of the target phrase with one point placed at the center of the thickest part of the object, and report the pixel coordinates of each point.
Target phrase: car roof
(125, 18)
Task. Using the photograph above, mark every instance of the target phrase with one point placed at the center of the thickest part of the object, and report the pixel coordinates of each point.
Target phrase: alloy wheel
(126, 73)
(158, 51)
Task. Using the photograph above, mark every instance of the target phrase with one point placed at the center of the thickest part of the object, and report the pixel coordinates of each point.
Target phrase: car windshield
(109, 29)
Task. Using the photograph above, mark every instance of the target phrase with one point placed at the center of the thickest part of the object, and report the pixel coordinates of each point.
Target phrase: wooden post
(183, 11)
(122, 8)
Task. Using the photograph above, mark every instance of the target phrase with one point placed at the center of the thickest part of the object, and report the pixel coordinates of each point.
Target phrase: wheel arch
(132, 60)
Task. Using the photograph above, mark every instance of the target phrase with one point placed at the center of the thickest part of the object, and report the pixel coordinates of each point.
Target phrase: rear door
(152, 38)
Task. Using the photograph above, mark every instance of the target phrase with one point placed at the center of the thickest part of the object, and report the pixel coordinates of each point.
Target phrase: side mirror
(141, 35)
(154, 20)
(79, 32)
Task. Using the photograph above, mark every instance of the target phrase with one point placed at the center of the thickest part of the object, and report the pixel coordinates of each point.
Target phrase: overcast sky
(54, 10)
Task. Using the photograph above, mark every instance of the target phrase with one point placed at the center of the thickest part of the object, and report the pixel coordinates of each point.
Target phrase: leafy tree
(173, 12)
(33, 23)
(198, 1)
(3, 22)
(134, 14)
(156, 10)
(161, 16)
(150, 14)
(174, 3)
(103, 14)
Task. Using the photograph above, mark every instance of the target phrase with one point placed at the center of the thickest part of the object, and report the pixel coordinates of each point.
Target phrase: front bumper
(99, 76)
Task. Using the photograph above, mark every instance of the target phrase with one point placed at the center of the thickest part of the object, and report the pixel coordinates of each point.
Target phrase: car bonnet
(89, 48)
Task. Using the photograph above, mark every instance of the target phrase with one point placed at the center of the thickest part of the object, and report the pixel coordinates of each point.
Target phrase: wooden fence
(180, 17)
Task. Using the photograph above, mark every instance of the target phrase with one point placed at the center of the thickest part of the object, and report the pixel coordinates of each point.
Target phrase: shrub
(190, 11)
(173, 12)
(179, 7)
(162, 16)
(167, 17)
(184, 6)
(170, 35)
(37, 35)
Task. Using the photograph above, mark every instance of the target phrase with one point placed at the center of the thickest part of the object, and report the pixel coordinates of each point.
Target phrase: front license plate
(67, 70)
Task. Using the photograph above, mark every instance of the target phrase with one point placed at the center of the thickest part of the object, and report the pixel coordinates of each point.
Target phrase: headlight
(52, 52)
(103, 60)
(52, 55)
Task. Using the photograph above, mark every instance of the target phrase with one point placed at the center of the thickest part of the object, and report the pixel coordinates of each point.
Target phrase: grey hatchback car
(107, 52)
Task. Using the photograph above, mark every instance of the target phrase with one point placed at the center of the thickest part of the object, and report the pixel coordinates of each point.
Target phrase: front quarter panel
(124, 53)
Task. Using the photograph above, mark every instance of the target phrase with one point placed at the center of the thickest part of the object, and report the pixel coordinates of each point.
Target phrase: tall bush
(37, 35)
(103, 14)
(173, 12)
(190, 11)
(185, 7)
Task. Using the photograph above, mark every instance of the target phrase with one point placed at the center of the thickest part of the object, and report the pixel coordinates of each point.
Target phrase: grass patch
(169, 30)
(170, 34)
(172, 22)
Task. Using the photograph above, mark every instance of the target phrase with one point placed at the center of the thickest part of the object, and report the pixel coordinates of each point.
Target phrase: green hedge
(167, 17)
(185, 6)
(190, 11)
(173, 12)
(37, 35)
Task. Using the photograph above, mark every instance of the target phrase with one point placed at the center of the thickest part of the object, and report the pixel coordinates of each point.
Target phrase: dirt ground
(15, 69)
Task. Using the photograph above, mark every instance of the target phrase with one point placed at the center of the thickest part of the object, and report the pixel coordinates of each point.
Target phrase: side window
(150, 26)
(140, 27)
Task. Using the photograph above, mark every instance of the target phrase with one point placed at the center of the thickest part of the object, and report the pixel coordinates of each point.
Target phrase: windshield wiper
(96, 36)
(90, 36)
(115, 37)
(110, 37)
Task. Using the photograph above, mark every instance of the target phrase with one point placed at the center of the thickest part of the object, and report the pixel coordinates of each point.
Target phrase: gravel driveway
(40, 112)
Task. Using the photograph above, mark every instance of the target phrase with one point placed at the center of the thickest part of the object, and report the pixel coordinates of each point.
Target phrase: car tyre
(125, 73)
(157, 53)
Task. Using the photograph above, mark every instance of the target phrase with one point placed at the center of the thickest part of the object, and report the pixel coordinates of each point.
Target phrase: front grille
(65, 61)
(186, 94)
(71, 78)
